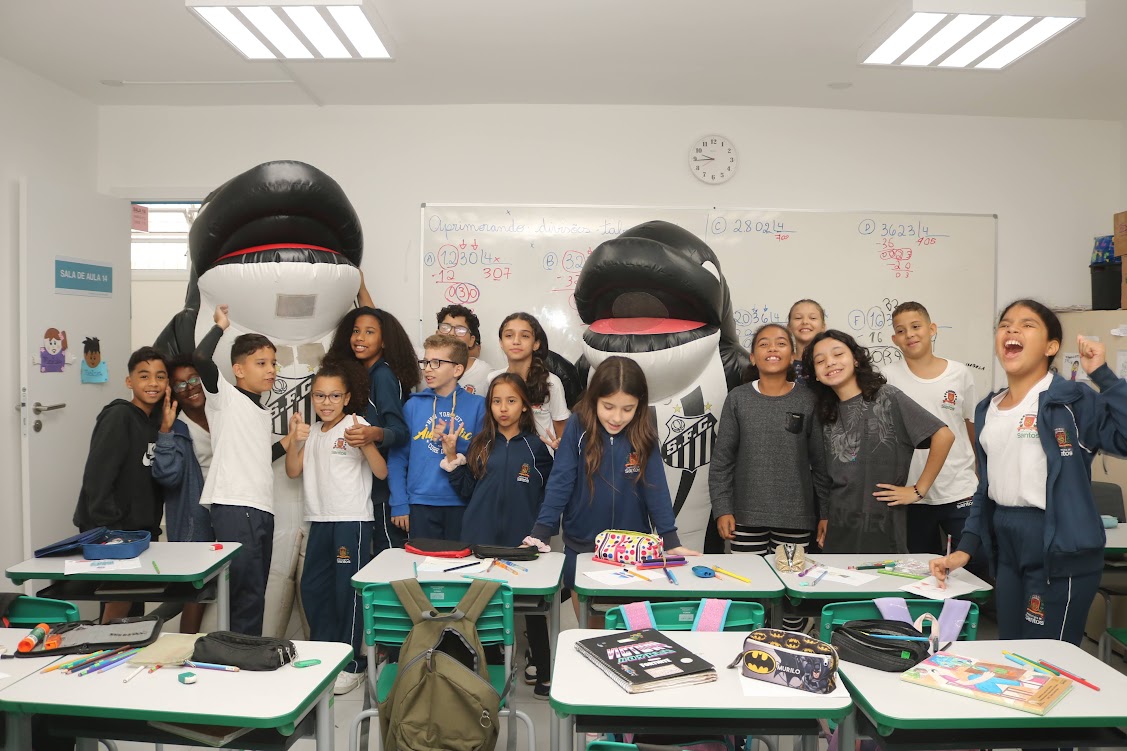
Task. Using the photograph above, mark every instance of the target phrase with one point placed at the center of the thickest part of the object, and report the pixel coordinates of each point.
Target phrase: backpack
(442, 698)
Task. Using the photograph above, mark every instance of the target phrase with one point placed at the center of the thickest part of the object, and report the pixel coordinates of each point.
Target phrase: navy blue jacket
(1073, 423)
(622, 499)
(385, 410)
(504, 501)
(176, 469)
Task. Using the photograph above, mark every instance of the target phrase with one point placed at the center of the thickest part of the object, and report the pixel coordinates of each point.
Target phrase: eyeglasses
(183, 386)
(434, 363)
(333, 398)
(448, 328)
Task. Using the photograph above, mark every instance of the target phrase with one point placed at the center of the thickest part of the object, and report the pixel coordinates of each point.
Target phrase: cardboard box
(1119, 224)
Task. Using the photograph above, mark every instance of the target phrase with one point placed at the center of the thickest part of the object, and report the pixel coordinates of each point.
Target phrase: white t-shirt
(1016, 465)
(336, 477)
(241, 438)
(950, 397)
(201, 443)
(543, 414)
(476, 379)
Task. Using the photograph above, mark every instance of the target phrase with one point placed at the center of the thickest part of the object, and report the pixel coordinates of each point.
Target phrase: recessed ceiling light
(1030, 38)
(223, 21)
(276, 31)
(951, 34)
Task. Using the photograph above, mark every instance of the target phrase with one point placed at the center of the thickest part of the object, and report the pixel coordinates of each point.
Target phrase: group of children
(816, 448)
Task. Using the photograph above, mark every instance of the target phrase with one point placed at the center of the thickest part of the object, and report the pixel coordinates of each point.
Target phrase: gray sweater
(768, 468)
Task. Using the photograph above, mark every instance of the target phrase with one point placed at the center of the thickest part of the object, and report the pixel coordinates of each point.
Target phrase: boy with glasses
(460, 321)
(418, 485)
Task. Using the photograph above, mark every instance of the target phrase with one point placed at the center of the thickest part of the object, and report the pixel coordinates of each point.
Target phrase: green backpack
(442, 699)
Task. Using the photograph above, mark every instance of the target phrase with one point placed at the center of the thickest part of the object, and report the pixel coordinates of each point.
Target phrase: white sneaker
(346, 682)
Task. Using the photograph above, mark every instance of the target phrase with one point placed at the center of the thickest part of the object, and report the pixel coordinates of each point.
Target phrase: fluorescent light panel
(237, 35)
(355, 25)
(910, 32)
(947, 37)
(985, 41)
(317, 31)
(275, 30)
(1030, 38)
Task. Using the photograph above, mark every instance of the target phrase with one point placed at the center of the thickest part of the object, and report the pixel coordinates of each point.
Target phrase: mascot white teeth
(656, 295)
(281, 245)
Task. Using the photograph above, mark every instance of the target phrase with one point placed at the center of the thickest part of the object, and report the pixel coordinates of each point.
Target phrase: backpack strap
(638, 615)
(711, 614)
(476, 599)
(413, 600)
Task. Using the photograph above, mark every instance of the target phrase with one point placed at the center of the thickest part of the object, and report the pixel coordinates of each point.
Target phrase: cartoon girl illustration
(53, 353)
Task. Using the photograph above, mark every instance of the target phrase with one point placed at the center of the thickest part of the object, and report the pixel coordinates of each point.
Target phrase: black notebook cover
(645, 660)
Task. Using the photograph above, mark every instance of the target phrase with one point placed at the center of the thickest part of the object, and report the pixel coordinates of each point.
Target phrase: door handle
(39, 409)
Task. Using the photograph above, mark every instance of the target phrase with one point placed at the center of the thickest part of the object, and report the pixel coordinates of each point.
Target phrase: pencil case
(84, 637)
(505, 552)
(116, 544)
(625, 547)
(437, 548)
(854, 642)
(244, 652)
(788, 658)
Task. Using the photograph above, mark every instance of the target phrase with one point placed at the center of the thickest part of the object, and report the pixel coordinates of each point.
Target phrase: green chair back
(838, 613)
(679, 616)
(387, 623)
(31, 611)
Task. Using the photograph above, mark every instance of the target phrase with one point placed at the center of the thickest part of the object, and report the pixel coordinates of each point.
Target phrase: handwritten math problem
(720, 225)
(462, 266)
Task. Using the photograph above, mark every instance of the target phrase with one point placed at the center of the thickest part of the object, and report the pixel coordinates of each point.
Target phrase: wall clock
(712, 159)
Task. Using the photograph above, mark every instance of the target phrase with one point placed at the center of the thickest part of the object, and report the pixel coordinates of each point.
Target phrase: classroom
(502, 122)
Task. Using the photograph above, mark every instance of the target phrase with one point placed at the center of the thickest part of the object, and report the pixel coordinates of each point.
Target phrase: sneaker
(529, 669)
(346, 682)
(542, 690)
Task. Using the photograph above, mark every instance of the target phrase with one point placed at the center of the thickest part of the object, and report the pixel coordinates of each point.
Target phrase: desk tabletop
(17, 668)
(543, 577)
(177, 561)
(881, 586)
(1116, 540)
(580, 688)
(764, 582)
(273, 699)
(894, 704)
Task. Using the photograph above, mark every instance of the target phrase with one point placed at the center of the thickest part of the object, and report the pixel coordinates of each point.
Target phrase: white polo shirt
(336, 476)
(1016, 466)
(241, 439)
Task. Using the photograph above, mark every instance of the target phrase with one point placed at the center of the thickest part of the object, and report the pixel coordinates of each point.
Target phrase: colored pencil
(635, 573)
(867, 568)
(62, 665)
(463, 565)
(87, 662)
(112, 660)
(902, 638)
(737, 577)
(1070, 676)
(510, 564)
(901, 574)
(483, 578)
(1014, 657)
(134, 674)
(819, 577)
(669, 575)
(210, 666)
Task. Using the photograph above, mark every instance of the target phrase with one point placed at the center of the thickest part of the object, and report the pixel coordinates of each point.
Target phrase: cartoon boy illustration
(93, 369)
(53, 353)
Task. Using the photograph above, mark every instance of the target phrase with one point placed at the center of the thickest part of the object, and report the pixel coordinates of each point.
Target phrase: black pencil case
(244, 652)
(505, 553)
(84, 637)
(854, 642)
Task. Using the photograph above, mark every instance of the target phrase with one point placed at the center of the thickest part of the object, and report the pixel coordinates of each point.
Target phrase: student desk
(764, 584)
(900, 715)
(279, 700)
(808, 600)
(1116, 540)
(589, 701)
(181, 564)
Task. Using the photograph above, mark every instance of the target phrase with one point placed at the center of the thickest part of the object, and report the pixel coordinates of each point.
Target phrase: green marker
(306, 663)
(900, 574)
(156, 567)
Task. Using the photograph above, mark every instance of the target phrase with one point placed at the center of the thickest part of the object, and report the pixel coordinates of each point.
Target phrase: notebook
(1010, 685)
(645, 660)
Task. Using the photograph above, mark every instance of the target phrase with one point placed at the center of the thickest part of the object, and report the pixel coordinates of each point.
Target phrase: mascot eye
(710, 267)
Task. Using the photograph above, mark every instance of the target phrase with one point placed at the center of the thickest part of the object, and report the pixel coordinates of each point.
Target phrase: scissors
(704, 572)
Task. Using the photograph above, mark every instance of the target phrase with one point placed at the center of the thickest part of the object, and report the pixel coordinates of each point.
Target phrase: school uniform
(477, 377)
(177, 469)
(337, 481)
(1033, 515)
(553, 409)
(624, 497)
(385, 410)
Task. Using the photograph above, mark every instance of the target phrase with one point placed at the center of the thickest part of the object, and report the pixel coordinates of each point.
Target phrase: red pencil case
(437, 548)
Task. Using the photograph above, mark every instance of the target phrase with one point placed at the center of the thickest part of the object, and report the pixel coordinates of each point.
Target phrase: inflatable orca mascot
(656, 295)
(281, 245)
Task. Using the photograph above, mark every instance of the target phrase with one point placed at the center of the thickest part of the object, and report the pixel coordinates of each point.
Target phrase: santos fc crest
(689, 442)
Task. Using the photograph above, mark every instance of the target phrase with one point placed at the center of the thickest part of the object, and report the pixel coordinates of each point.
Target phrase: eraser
(217, 546)
(186, 678)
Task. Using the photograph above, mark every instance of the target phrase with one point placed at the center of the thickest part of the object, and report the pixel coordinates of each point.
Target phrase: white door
(69, 239)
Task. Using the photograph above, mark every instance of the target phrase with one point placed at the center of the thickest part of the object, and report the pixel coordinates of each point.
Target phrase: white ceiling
(667, 52)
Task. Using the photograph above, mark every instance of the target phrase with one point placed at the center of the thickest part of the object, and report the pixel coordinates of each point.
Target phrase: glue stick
(37, 635)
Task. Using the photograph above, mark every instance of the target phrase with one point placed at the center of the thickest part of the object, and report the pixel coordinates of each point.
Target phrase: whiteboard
(858, 264)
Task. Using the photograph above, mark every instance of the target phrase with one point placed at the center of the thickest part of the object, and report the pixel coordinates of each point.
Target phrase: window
(163, 249)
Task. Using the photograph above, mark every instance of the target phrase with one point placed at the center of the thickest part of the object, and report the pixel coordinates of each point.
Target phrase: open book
(645, 660)
(1010, 685)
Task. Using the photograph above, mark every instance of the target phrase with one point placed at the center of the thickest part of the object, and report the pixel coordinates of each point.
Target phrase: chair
(386, 623)
(678, 616)
(31, 611)
(1109, 502)
(838, 613)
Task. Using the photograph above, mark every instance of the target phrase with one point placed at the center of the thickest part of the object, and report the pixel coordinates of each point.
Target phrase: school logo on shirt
(633, 466)
(343, 556)
(950, 400)
(469, 389)
(522, 476)
(689, 443)
(1027, 428)
(1063, 443)
(340, 447)
(1035, 611)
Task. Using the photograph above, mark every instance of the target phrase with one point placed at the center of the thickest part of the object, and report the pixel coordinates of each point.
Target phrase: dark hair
(461, 311)
(911, 307)
(146, 354)
(478, 455)
(1048, 317)
(613, 375)
(868, 379)
(91, 344)
(398, 352)
(182, 360)
(459, 352)
(808, 301)
(537, 370)
(246, 345)
(751, 373)
(352, 375)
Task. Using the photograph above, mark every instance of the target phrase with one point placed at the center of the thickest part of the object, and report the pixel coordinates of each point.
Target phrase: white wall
(48, 134)
(154, 302)
(1053, 183)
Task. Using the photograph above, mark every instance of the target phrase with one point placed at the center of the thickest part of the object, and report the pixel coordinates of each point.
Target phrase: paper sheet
(101, 566)
(839, 576)
(929, 588)
(613, 578)
(472, 566)
(1071, 370)
(762, 689)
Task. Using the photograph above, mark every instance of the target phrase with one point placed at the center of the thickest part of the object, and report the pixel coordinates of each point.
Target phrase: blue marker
(669, 575)
(210, 666)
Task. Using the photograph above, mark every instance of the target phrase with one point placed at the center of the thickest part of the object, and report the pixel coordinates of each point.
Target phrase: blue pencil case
(117, 544)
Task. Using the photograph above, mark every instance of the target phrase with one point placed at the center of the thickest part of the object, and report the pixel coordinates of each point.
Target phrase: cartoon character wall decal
(53, 353)
(94, 369)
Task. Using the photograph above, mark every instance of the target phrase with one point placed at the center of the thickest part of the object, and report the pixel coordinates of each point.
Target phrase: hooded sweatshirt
(413, 471)
(623, 498)
(177, 470)
(118, 490)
